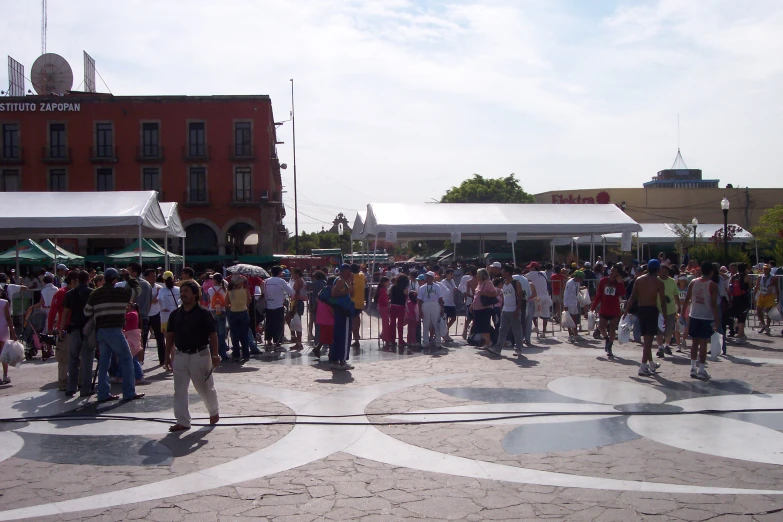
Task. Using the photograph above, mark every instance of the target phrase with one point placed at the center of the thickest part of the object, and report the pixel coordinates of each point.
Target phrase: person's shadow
(183, 443)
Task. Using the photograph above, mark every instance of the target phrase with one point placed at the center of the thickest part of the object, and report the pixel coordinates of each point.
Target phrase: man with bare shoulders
(648, 290)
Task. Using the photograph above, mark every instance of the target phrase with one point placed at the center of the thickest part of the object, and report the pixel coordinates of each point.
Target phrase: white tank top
(701, 307)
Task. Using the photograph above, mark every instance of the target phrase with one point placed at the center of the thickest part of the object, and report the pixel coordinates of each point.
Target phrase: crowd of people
(656, 303)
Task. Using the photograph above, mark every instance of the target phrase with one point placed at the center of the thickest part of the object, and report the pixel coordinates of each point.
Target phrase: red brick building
(214, 155)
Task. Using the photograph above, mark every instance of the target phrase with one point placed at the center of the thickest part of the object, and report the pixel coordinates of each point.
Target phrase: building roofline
(105, 97)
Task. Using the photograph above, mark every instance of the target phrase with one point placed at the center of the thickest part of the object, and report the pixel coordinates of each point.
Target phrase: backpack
(738, 286)
(218, 301)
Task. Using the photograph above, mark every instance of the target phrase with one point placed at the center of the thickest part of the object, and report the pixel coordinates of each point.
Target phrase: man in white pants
(430, 308)
(192, 330)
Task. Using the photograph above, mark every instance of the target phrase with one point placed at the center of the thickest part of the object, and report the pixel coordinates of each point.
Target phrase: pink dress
(383, 310)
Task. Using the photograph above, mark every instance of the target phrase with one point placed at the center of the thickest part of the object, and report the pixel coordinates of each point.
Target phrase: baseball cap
(573, 265)
(579, 274)
(723, 269)
(635, 261)
(497, 264)
(588, 264)
(533, 266)
(167, 274)
(431, 274)
(421, 278)
(654, 264)
(111, 273)
(61, 267)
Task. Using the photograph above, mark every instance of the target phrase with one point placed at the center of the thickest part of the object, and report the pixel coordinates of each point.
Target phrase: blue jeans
(528, 326)
(220, 322)
(112, 341)
(239, 324)
(116, 371)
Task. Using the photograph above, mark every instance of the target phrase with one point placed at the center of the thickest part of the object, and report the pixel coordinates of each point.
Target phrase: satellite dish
(51, 74)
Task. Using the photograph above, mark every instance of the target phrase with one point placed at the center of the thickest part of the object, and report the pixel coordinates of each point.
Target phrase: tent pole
(514, 253)
(454, 261)
(757, 256)
(592, 249)
(166, 248)
(141, 247)
(18, 273)
(604, 242)
(183, 252)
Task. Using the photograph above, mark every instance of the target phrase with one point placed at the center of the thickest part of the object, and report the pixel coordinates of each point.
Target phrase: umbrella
(248, 270)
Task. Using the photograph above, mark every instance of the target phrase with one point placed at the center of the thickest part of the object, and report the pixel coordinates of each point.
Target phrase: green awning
(30, 253)
(62, 254)
(326, 252)
(150, 252)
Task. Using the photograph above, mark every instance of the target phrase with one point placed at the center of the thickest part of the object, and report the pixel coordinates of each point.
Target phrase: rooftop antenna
(43, 27)
(678, 132)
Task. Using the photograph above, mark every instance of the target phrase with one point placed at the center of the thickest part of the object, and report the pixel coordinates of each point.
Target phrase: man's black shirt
(192, 329)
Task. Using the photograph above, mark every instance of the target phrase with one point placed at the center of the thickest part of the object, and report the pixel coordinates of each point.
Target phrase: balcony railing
(241, 197)
(241, 152)
(103, 154)
(57, 154)
(196, 197)
(150, 153)
(11, 155)
(194, 153)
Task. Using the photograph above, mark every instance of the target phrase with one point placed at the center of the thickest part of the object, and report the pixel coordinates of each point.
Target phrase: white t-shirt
(447, 292)
(155, 307)
(430, 292)
(275, 290)
(47, 293)
(463, 284)
(168, 299)
(525, 284)
(538, 279)
(509, 297)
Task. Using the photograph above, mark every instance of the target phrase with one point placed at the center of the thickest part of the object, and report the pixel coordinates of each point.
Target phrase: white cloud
(399, 100)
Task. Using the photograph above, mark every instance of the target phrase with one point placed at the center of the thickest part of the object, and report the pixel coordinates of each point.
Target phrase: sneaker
(5, 380)
(335, 366)
(543, 335)
(659, 354)
(742, 340)
(654, 365)
(517, 352)
(703, 375)
(346, 366)
(667, 350)
(644, 371)
(535, 329)
(694, 373)
(495, 350)
(609, 354)
(597, 334)
(570, 338)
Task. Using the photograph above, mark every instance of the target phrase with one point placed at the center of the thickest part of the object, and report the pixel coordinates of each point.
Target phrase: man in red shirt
(55, 312)
(558, 287)
(607, 297)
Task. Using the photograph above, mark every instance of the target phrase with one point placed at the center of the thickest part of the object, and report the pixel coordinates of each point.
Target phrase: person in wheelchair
(34, 325)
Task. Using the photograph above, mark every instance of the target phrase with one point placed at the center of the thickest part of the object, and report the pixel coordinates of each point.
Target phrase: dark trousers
(239, 325)
(153, 323)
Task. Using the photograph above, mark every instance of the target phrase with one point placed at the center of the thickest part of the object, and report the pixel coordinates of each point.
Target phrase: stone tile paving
(343, 486)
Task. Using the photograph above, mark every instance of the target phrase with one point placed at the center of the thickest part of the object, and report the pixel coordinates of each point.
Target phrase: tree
(479, 189)
(769, 232)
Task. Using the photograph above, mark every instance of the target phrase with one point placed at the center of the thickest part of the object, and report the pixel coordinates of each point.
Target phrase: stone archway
(235, 232)
(203, 237)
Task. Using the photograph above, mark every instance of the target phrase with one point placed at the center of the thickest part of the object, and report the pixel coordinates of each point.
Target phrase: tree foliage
(770, 226)
(479, 189)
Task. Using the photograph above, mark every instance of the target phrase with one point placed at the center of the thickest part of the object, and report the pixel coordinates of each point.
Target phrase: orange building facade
(214, 155)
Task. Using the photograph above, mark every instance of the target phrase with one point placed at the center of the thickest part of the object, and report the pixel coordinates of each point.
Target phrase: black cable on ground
(500, 416)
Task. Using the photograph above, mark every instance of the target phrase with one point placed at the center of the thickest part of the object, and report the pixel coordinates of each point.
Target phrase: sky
(399, 100)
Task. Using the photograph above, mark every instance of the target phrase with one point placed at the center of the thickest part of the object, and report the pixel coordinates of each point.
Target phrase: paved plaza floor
(562, 434)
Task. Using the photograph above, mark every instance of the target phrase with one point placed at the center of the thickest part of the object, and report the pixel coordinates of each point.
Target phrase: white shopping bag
(716, 345)
(681, 325)
(296, 323)
(584, 297)
(590, 321)
(774, 314)
(624, 330)
(443, 327)
(566, 321)
(13, 353)
(661, 323)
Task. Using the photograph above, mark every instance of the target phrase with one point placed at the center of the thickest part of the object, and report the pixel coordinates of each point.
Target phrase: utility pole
(296, 201)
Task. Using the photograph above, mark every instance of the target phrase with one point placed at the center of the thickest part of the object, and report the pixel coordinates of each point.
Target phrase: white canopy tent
(171, 214)
(91, 214)
(510, 222)
(658, 234)
(357, 232)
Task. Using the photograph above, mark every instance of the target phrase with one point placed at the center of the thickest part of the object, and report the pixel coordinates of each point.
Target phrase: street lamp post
(695, 223)
(724, 205)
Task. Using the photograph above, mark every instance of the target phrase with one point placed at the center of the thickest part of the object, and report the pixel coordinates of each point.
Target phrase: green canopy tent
(29, 253)
(150, 252)
(61, 253)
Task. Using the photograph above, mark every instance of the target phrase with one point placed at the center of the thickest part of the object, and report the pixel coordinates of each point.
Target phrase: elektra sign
(602, 198)
(41, 106)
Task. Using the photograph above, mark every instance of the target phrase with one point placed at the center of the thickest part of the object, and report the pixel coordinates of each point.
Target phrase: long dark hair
(403, 282)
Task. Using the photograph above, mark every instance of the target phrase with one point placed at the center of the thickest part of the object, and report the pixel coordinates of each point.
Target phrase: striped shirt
(108, 304)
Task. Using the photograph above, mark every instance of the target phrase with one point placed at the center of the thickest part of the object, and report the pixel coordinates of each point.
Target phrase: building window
(243, 189)
(196, 139)
(242, 139)
(103, 141)
(104, 180)
(57, 140)
(197, 185)
(150, 140)
(11, 141)
(150, 179)
(57, 180)
(10, 180)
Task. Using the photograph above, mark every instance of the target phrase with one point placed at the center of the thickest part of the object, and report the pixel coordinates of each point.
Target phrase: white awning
(661, 234)
(493, 221)
(174, 223)
(97, 214)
